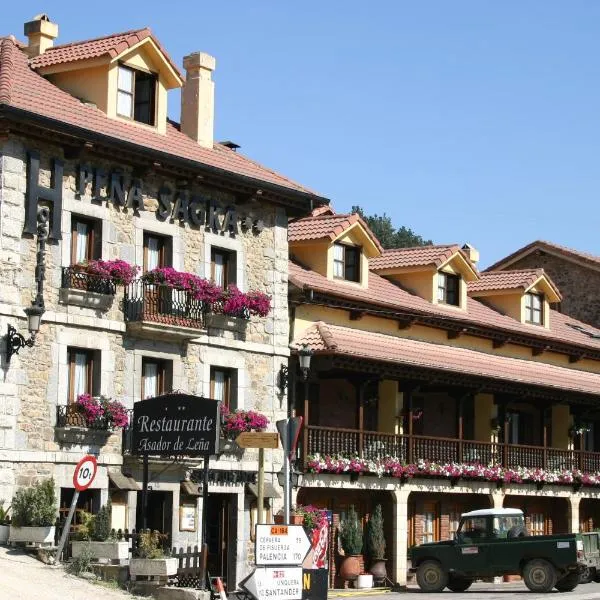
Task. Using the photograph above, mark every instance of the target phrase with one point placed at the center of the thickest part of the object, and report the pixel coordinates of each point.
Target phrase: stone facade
(578, 284)
(36, 380)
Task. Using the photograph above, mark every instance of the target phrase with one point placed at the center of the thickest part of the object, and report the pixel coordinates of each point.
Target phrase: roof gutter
(27, 117)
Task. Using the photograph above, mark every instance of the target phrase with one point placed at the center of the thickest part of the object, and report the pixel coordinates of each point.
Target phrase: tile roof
(390, 296)
(326, 226)
(109, 45)
(332, 339)
(550, 247)
(521, 279)
(418, 256)
(23, 89)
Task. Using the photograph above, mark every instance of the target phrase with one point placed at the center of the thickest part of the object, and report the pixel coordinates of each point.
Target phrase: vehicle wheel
(539, 575)
(568, 583)
(431, 577)
(596, 576)
(459, 584)
(587, 575)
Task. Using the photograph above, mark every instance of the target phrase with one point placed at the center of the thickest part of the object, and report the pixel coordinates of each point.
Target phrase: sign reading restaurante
(176, 424)
(179, 205)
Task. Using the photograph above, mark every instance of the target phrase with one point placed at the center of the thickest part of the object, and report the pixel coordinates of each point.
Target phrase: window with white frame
(428, 527)
(534, 308)
(136, 95)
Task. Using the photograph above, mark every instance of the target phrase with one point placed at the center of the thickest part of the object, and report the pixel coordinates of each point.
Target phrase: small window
(156, 377)
(346, 262)
(448, 291)
(157, 251)
(85, 240)
(136, 95)
(84, 370)
(534, 309)
(222, 267)
(428, 527)
(223, 386)
(536, 524)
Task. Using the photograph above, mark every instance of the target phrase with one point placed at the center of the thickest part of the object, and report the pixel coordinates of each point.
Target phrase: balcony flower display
(395, 467)
(118, 271)
(240, 304)
(102, 410)
(234, 423)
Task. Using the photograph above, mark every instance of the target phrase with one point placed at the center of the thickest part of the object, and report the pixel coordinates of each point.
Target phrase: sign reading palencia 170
(176, 424)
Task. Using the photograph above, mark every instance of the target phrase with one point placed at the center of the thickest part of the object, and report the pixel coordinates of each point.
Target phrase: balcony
(157, 310)
(372, 445)
(82, 289)
(72, 427)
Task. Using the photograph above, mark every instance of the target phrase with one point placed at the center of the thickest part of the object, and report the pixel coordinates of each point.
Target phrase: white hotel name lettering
(116, 188)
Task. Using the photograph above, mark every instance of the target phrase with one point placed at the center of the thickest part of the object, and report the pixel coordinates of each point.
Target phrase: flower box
(222, 322)
(31, 535)
(153, 567)
(111, 550)
(4, 533)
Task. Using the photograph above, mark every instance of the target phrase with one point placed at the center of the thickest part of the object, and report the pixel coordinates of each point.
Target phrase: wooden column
(408, 397)
(305, 430)
(460, 427)
(360, 393)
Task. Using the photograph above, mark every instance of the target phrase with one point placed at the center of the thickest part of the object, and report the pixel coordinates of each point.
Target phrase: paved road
(487, 591)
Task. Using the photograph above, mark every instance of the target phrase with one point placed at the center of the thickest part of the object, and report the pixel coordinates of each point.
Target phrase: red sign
(85, 471)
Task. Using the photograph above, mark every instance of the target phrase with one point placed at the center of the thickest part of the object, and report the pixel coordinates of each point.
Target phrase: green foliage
(4, 513)
(351, 534)
(388, 235)
(35, 506)
(150, 545)
(82, 563)
(375, 537)
(101, 523)
(83, 531)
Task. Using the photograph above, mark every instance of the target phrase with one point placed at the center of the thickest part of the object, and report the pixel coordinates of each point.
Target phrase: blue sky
(466, 120)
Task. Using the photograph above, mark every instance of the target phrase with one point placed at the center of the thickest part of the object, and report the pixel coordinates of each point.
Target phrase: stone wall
(579, 285)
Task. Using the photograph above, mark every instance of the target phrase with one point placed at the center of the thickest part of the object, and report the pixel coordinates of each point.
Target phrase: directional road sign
(257, 439)
(280, 545)
(266, 583)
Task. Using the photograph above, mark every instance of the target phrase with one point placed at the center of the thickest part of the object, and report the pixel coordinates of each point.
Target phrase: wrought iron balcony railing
(162, 304)
(74, 278)
(71, 416)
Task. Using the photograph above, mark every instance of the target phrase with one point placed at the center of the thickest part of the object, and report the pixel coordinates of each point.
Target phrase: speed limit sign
(85, 471)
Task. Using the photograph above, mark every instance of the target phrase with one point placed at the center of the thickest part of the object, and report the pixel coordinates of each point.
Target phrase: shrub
(375, 537)
(351, 534)
(83, 531)
(4, 518)
(118, 271)
(82, 563)
(150, 545)
(101, 523)
(35, 506)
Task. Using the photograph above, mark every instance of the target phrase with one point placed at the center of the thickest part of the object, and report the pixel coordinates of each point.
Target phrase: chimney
(198, 98)
(41, 33)
(472, 253)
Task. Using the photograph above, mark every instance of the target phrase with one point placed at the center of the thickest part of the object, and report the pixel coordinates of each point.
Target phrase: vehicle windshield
(474, 528)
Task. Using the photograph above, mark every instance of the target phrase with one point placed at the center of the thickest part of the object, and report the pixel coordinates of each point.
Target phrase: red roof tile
(551, 248)
(326, 226)
(522, 279)
(418, 256)
(388, 295)
(332, 339)
(109, 45)
(22, 88)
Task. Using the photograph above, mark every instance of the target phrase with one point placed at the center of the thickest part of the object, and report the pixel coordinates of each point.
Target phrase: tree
(388, 235)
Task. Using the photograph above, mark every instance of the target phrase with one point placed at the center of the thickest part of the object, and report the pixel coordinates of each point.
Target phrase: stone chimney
(198, 98)
(471, 253)
(41, 33)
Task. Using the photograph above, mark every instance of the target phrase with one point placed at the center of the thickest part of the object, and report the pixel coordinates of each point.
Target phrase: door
(160, 512)
(221, 544)
(471, 546)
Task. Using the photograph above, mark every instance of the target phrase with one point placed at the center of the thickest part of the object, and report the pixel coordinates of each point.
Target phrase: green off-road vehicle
(494, 542)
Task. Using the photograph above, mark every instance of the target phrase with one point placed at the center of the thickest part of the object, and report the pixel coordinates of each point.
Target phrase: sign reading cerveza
(176, 424)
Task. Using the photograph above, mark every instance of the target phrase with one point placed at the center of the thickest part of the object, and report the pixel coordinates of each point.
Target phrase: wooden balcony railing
(371, 445)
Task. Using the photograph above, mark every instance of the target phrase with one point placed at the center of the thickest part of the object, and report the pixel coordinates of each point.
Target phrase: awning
(122, 482)
(269, 490)
(189, 488)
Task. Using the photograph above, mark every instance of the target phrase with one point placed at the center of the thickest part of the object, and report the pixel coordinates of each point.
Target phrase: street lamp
(304, 355)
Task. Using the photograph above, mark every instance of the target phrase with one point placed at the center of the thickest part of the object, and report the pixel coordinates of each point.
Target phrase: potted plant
(94, 538)
(352, 542)
(376, 545)
(234, 423)
(4, 522)
(34, 514)
(150, 559)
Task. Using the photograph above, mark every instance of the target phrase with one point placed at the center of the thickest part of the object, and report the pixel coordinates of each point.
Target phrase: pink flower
(118, 271)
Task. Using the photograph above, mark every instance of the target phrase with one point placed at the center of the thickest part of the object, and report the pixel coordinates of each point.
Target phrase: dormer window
(346, 262)
(534, 309)
(136, 95)
(448, 289)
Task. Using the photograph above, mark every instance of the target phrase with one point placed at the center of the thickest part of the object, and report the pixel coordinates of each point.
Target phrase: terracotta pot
(378, 570)
(350, 568)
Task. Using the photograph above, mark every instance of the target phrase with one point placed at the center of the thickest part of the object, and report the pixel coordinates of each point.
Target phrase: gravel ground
(23, 577)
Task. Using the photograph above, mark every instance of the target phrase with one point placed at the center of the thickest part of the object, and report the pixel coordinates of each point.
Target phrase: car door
(471, 546)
